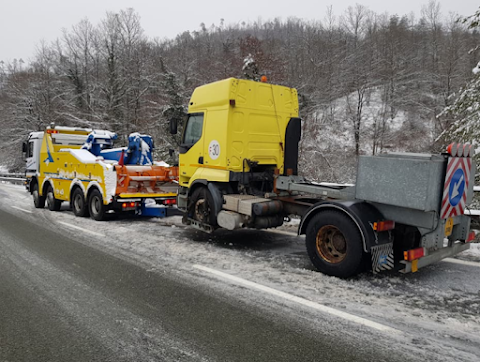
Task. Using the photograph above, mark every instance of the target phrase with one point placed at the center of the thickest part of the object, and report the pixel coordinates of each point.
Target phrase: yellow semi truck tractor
(238, 168)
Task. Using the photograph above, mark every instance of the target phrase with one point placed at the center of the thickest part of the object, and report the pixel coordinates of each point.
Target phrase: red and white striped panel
(455, 163)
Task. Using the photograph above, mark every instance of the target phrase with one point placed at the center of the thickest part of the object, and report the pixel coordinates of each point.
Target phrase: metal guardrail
(14, 178)
(14, 175)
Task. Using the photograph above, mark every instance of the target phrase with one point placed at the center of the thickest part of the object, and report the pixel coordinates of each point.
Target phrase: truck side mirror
(24, 147)
(173, 126)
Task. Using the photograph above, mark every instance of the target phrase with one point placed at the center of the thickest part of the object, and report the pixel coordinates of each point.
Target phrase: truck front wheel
(52, 203)
(38, 201)
(96, 207)
(200, 206)
(334, 244)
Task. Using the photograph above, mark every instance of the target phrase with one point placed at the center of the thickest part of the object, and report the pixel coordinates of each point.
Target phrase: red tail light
(129, 205)
(413, 254)
(470, 237)
(384, 225)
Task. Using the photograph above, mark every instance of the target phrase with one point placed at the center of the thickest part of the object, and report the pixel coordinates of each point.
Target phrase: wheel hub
(331, 244)
(77, 202)
(201, 210)
(95, 205)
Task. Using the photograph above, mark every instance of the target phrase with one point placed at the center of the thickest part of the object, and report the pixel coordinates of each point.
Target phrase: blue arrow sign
(456, 188)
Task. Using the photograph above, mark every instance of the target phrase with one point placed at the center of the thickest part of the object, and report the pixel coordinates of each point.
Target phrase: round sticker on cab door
(214, 150)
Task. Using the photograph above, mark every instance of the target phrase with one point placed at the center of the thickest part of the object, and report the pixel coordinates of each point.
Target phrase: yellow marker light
(414, 265)
(449, 226)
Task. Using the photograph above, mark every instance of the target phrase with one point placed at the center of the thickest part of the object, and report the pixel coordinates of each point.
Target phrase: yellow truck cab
(238, 135)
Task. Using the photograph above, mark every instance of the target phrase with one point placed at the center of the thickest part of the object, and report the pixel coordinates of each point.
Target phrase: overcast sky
(24, 23)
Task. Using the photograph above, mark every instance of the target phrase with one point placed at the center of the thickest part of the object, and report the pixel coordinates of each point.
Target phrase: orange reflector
(52, 131)
(384, 225)
(452, 149)
(414, 254)
(263, 79)
(470, 237)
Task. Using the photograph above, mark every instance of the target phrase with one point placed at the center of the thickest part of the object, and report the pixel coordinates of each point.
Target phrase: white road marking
(462, 262)
(79, 228)
(19, 208)
(302, 301)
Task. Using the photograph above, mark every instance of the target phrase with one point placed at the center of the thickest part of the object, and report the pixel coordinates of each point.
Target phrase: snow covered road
(430, 315)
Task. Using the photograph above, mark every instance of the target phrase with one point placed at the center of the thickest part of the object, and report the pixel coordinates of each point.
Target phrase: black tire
(38, 201)
(52, 203)
(96, 207)
(200, 206)
(78, 203)
(334, 244)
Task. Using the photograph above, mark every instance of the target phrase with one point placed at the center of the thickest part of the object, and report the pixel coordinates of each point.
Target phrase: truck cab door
(191, 149)
(32, 153)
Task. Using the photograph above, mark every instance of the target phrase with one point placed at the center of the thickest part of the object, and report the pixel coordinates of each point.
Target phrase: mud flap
(382, 257)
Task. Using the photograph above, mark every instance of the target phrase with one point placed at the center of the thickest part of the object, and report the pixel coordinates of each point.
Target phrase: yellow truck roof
(242, 93)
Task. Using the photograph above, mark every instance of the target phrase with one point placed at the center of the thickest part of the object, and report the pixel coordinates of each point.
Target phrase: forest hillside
(368, 83)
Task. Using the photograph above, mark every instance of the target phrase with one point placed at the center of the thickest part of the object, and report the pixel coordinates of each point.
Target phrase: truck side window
(30, 149)
(193, 129)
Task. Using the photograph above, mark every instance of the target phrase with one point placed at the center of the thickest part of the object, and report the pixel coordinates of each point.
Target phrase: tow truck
(238, 168)
(80, 166)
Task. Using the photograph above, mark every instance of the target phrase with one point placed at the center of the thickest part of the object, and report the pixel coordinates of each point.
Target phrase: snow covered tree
(250, 68)
(465, 110)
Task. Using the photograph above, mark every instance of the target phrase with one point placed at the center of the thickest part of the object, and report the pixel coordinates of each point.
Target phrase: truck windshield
(193, 129)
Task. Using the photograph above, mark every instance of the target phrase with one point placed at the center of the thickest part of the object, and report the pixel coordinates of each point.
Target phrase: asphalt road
(62, 300)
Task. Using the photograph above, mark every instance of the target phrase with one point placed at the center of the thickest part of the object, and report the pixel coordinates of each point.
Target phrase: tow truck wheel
(38, 201)
(96, 207)
(79, 206)
(52, 203)
(334, 244)
(201, 206)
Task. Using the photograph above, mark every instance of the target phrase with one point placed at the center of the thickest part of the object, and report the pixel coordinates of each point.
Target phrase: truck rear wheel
(95, 206)
(38, 201)
(334, 244)
(201, 206)
(79, 205)
(52, 203)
